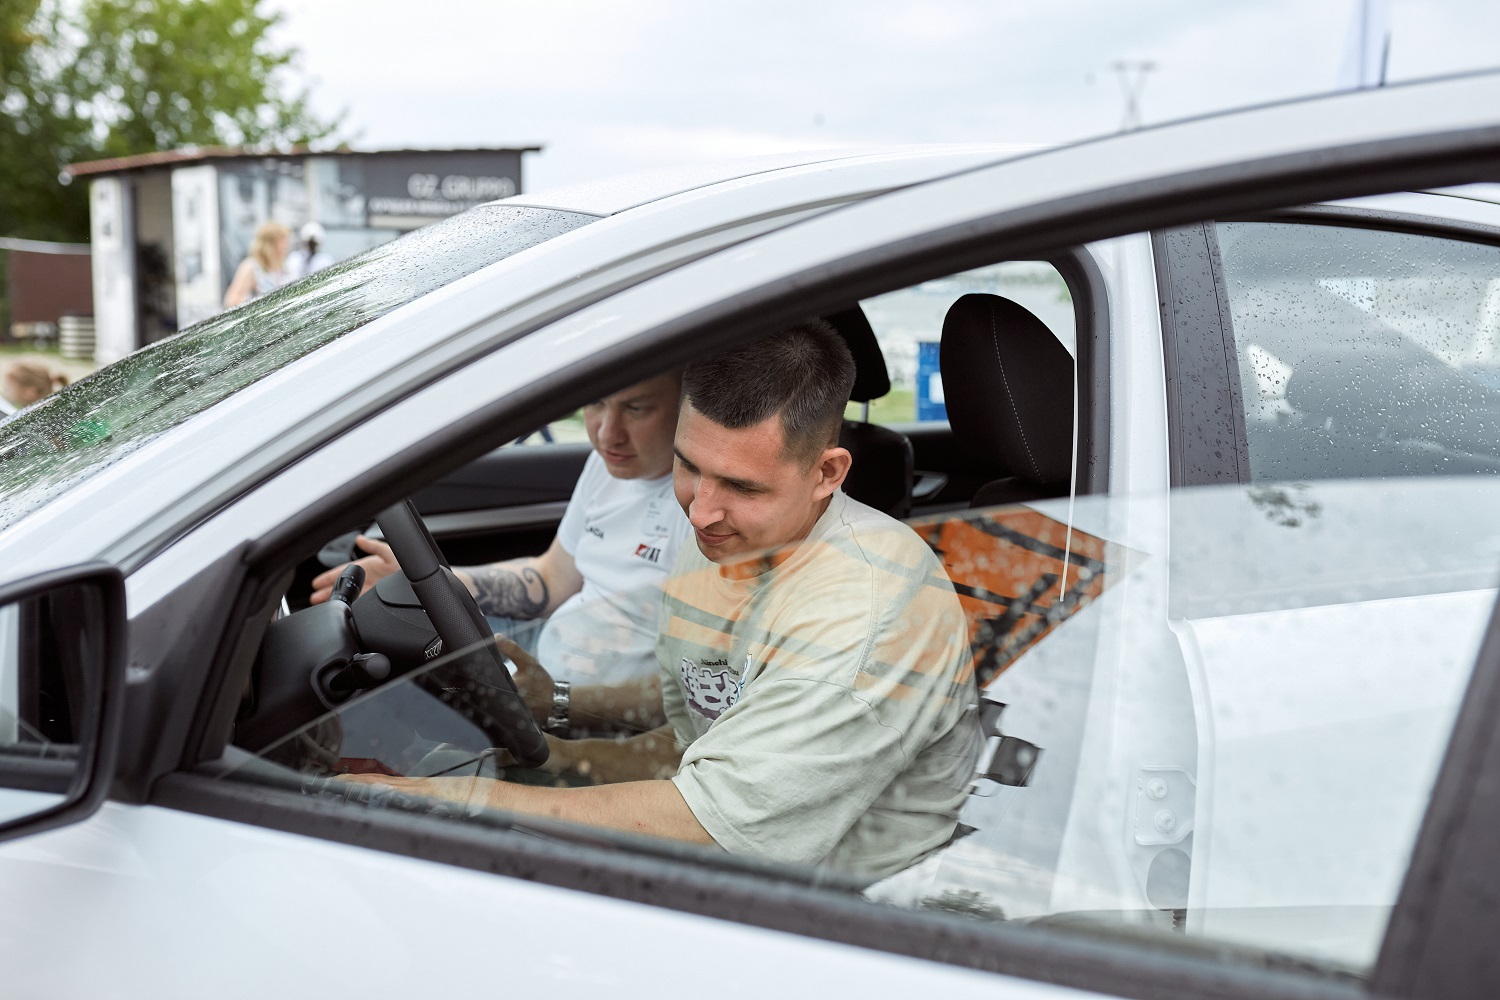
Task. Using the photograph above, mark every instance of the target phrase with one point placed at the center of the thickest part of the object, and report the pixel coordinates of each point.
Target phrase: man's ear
(832, 467)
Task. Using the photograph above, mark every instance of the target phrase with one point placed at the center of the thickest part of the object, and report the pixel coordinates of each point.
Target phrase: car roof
(612, 195)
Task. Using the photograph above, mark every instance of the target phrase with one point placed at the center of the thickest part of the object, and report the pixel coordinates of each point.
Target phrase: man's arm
(243, 284)
(518, 588)
(634, 704)
(609, 762)
(653, 808)
(524, 588)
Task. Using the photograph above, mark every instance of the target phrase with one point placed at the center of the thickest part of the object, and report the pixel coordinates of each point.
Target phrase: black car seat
(881, 473)
(1009, 388)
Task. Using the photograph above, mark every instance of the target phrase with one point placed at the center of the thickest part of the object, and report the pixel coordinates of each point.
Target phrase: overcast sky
(610, 86)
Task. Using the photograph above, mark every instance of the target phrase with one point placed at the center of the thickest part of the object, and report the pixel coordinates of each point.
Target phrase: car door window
(1364, 352)
(1248, 768)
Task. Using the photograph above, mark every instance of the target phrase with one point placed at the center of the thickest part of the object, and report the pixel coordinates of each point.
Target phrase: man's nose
(705, 510)
(611, 427)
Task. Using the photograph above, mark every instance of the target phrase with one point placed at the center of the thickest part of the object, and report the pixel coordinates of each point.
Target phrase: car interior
(1008, 439)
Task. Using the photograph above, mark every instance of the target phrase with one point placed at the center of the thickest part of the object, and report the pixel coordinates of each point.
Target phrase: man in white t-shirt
(599, 583)
(814, 668)
(310, 255)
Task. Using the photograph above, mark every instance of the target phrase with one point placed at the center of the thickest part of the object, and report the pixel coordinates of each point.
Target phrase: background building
(169, 228)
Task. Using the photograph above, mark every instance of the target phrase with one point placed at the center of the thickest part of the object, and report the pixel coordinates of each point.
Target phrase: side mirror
(62, 687)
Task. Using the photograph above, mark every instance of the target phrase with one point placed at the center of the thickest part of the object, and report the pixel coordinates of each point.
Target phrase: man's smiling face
(740, 489)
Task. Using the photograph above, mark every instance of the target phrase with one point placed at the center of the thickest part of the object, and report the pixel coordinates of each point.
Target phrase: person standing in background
(310, 256)
(264, 269)
(25, 383)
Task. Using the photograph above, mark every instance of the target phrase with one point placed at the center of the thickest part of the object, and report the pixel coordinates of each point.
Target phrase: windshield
(104, 417)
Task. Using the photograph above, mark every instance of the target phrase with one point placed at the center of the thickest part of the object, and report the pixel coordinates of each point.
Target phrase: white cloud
(612, 87)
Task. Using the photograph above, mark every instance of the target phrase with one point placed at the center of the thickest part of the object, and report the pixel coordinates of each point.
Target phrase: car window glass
(1363, 352)
(564, 430)
(1222, 746)
(908, 324)
(96, 421)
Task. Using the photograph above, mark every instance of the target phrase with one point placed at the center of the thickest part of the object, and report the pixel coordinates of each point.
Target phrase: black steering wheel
(475, 682)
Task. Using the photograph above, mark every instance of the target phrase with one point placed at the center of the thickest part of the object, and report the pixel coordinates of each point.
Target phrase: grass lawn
(899, 406)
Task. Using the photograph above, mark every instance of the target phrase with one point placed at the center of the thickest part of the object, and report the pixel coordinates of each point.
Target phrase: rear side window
(908, 323)
(73, 434)
(1364, 353)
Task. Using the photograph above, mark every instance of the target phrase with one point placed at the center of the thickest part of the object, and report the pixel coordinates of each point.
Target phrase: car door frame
(1106, 966)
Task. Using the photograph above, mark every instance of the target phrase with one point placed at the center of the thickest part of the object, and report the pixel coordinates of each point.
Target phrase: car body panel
(879, 167)
(213, 901)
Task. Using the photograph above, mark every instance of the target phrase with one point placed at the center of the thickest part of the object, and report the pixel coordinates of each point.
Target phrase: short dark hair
(803, 372)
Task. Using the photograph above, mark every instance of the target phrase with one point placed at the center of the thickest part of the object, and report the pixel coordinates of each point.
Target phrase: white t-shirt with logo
(623, 535)
(827, 705)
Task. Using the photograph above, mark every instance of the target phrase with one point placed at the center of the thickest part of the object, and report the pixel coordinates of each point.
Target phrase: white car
(1217, 489)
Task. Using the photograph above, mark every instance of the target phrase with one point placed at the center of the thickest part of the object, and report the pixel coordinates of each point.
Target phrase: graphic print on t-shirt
(710, 687)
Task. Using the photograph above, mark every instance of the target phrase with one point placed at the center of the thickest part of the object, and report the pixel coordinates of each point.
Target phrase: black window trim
(1354, 217)
(1091, 394)
(1205, 412)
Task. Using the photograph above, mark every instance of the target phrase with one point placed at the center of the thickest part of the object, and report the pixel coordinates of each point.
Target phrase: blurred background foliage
(89, 79)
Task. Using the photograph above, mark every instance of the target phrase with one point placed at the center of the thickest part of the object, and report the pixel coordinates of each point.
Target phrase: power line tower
(1132, 75)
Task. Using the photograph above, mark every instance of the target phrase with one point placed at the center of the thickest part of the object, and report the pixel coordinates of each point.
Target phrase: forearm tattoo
(515, 592)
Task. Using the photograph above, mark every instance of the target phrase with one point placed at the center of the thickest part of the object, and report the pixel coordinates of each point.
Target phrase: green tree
(38, 132)
(103, 78)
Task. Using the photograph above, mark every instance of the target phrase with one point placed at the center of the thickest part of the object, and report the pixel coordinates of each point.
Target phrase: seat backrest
(881, 473)
(1008, 383)
(871, 379)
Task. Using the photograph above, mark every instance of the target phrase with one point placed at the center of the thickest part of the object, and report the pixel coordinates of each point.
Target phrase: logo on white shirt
(660, 516)
(648, 552)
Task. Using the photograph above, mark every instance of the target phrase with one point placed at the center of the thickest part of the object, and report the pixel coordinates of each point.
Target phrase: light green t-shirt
(827, 705)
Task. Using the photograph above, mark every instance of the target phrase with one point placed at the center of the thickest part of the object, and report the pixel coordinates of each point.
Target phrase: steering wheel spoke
(474, 681)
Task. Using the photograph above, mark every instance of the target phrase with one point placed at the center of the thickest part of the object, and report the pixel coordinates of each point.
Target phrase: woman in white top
(264, 270)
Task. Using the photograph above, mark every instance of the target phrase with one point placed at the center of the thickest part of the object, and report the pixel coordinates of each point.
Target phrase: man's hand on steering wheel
(379, 565)
(532, 679)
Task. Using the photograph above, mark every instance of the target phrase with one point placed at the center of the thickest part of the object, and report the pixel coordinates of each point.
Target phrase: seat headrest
(1008, 384)
(871, 380)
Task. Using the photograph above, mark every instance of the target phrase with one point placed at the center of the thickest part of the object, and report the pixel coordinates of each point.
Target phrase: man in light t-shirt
(599, 582)
(814, 663)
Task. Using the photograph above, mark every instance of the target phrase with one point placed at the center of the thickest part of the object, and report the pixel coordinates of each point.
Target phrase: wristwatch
(562, 697)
